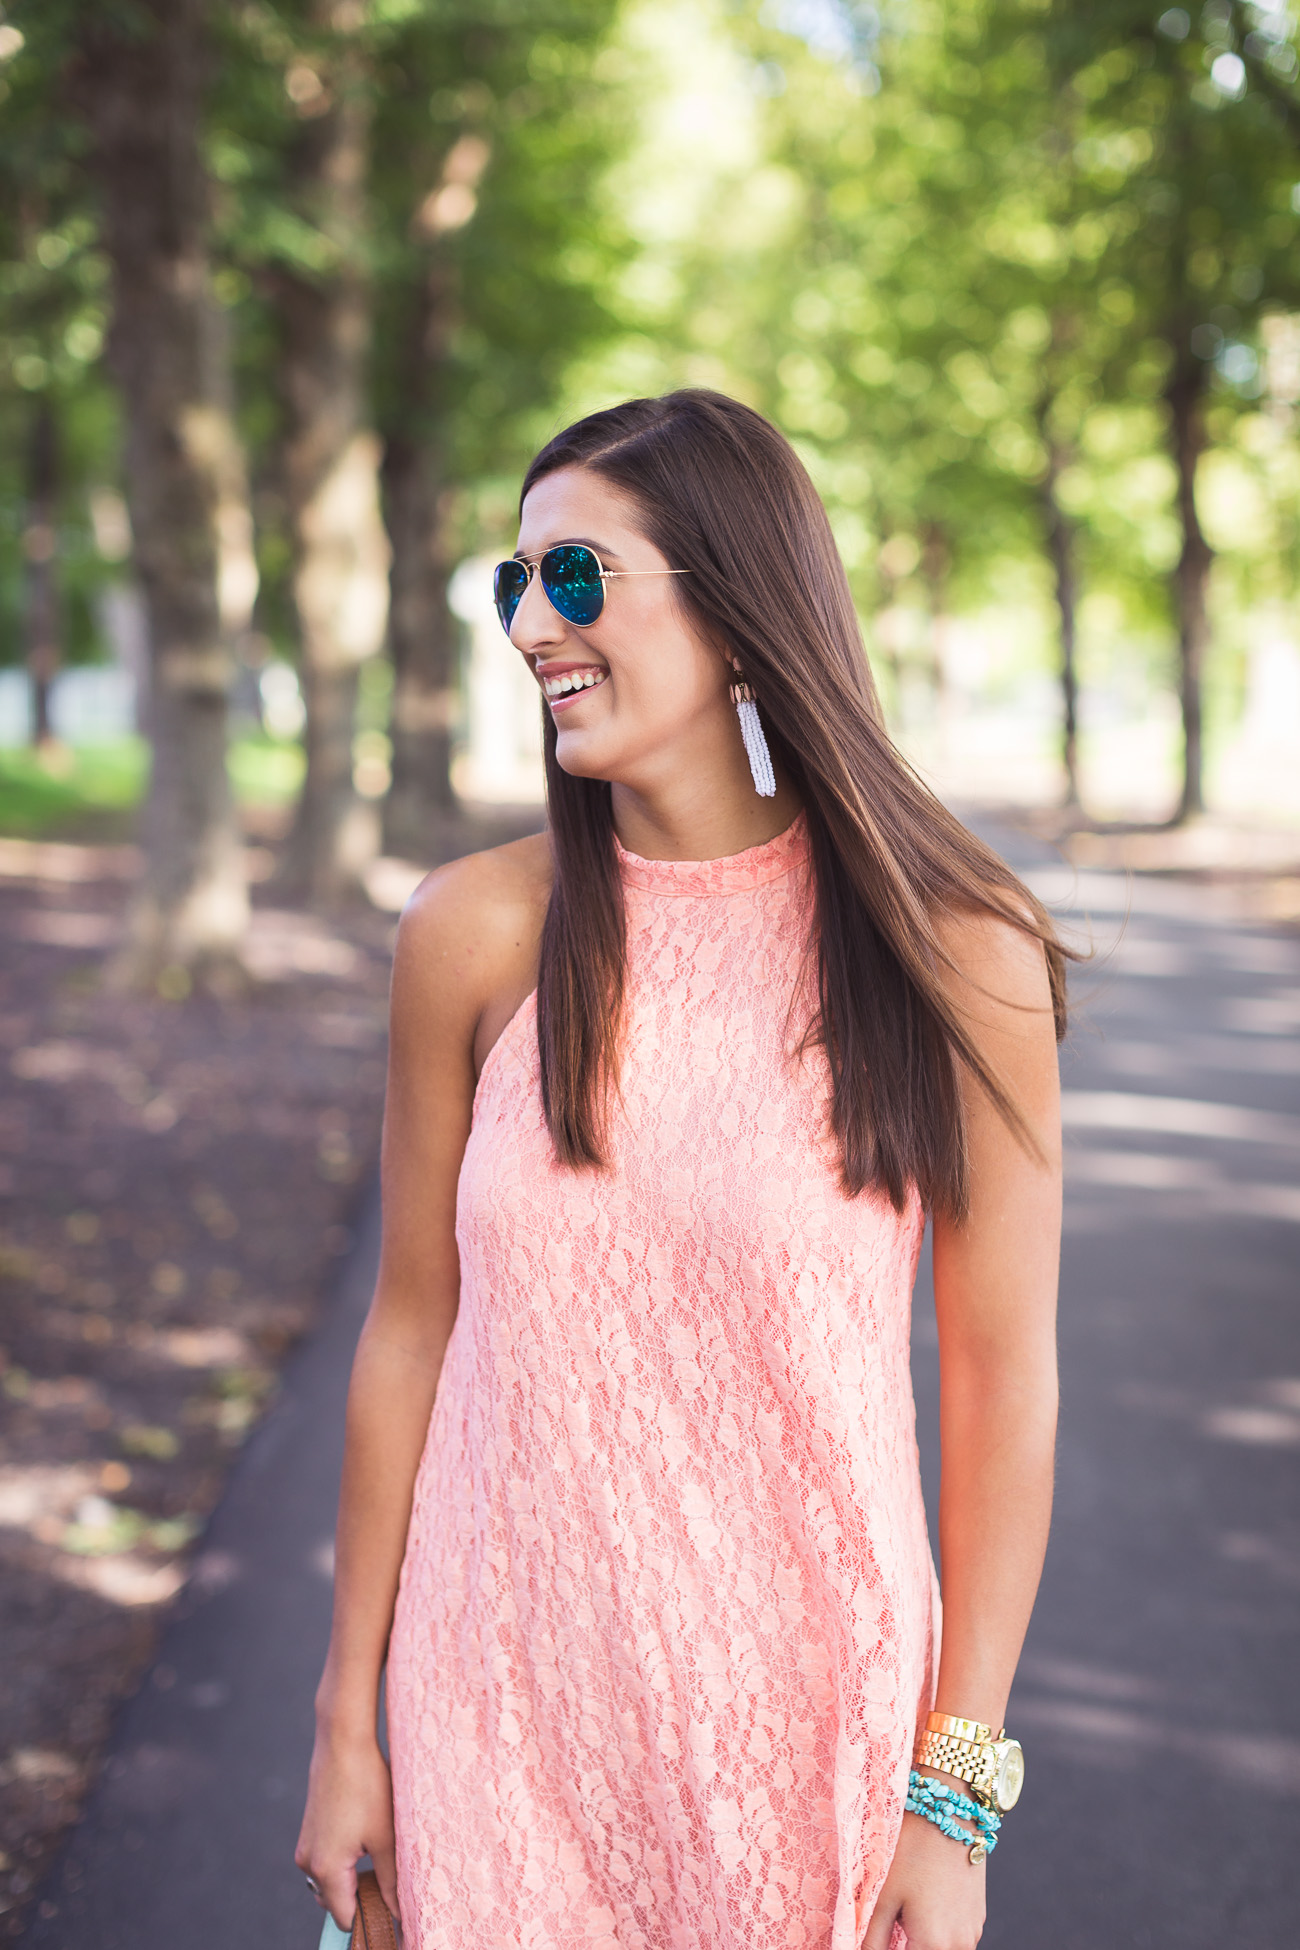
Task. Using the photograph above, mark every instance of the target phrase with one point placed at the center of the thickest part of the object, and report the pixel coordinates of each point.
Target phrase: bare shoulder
(995, 967)
(469, 934)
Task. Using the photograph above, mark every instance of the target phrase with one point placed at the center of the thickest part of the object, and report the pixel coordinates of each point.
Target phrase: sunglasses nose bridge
(543, 624)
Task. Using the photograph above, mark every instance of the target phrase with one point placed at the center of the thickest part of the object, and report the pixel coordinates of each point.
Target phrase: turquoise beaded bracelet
(939, 1804)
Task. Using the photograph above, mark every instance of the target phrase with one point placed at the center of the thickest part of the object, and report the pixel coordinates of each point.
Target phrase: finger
(385, 1866)
(880, 1929)
(339, 1896)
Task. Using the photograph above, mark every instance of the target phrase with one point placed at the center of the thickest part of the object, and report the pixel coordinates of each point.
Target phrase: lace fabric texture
(667, 1612)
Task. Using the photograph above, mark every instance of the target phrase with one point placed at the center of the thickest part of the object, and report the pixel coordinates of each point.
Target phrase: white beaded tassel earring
(751, 730)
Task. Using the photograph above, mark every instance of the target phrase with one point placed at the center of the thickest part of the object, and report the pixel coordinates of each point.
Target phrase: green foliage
(265, 771)
(54, 315)
(487, 248)
(1004, 218)
(88, 792)
(92, 791)
(950, 246)
(492, 249)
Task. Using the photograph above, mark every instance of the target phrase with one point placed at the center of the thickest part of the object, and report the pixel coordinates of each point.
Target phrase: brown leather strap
(372, 1927)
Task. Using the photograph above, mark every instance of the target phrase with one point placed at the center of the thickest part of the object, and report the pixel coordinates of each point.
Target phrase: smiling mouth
(570, 682)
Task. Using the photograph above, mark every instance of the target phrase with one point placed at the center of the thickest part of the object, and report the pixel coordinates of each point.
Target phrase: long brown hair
(722, 494)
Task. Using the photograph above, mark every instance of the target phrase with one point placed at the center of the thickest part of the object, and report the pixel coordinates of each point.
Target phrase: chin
(575, 755)
(592, 752)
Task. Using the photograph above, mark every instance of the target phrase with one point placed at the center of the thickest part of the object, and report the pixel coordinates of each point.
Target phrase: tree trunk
(1185, 397)
(40, 583)
(1060, 533)
(423, 638)
(141, 91)
(331, 463)
(423, 635)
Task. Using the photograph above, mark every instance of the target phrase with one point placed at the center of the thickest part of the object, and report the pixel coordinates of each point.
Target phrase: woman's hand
(349, 1814)
(933, 1889)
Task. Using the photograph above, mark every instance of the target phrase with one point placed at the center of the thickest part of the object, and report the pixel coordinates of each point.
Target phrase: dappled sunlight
(196, 1347)
(34, 1495)
(1144, 1060)
(40, 1765)
(1095, 1735)
(1177, 1117)
(282, 944)
(1159, 960)
(61, 863)
(1091, 1681)
(390, 883)
(1268, 1418)
(1216, 1195)
(1279, 1559)
(1264, 1015)
(1197, 1053)
(1270, 1428)
(127, 1580)
(61, 1508)
(60, 928)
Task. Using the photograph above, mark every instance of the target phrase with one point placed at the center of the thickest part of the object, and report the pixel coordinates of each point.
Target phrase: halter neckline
(735, 873)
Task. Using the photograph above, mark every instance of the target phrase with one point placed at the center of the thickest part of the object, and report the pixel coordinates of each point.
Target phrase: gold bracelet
(962, 1729)
(972, 1761)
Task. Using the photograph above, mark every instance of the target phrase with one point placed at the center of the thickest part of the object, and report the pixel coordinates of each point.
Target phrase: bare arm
(466, 955)
(995, 1291)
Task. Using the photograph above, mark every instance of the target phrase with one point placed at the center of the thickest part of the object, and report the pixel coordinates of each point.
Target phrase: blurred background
(290, 290)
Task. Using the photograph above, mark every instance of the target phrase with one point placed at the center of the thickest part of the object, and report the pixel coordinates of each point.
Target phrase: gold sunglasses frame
(533, 565)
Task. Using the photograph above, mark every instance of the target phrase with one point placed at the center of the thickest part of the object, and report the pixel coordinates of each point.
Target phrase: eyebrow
(602, 549)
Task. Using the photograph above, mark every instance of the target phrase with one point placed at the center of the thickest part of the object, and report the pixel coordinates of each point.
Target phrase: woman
(673, 1090)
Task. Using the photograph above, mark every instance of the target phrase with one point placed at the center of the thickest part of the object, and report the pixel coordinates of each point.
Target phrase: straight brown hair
(722, 494)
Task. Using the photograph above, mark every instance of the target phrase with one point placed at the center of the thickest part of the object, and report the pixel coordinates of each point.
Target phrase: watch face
(1010, 1776)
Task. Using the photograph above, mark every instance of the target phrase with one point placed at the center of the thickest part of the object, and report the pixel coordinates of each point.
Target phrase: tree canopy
(1019, 278)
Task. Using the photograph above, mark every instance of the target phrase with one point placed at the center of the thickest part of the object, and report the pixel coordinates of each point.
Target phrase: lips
(563, 687)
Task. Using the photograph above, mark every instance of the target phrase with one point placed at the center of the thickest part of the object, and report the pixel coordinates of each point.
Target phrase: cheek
(666, 686)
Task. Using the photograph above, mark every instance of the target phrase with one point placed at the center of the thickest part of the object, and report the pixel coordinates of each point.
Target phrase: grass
(91, 792)
(265, 771)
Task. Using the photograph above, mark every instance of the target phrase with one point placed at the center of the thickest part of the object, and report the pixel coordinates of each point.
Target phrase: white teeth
(572, 680)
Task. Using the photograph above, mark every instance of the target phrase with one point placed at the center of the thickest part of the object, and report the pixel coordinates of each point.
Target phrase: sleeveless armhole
(506, 1044)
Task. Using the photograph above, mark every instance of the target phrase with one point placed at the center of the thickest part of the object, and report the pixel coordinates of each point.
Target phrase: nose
(535, 625)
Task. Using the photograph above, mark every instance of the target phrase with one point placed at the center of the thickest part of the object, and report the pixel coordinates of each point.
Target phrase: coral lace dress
(667, 1612)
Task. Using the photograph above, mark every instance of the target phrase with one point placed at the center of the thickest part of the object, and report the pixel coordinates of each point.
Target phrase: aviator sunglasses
(573, 578)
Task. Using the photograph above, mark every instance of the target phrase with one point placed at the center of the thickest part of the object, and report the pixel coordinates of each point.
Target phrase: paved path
(188, 1839)
(1157, 1699)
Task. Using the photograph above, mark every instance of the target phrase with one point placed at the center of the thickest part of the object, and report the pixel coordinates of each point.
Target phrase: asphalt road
(1157, 1698)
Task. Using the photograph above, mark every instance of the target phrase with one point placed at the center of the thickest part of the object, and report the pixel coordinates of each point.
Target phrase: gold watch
(992, 1766)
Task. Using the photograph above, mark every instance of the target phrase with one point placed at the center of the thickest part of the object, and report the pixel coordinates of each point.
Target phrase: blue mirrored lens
(508, 586)
(571, 578)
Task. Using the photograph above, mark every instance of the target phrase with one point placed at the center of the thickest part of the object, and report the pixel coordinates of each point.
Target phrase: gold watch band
(961, 1729)
(972, 1761)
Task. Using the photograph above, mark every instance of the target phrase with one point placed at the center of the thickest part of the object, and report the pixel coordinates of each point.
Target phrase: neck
(709, 820)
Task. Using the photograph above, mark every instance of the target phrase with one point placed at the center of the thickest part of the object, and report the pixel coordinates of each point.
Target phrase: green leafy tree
(57, 423)
(1189, 168)
(941, 319)
(492, 249)
(290, 136)
(129, 76)
(408, 213)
